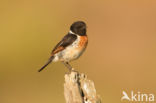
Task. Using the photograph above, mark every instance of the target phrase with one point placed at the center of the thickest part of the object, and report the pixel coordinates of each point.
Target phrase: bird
(71, 47)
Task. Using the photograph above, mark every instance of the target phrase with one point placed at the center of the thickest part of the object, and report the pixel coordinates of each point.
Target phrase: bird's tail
(49, 61)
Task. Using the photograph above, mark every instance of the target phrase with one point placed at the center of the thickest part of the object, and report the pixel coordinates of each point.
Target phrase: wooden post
(79, 89)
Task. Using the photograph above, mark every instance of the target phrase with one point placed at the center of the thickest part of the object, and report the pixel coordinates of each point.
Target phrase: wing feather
(66, 41)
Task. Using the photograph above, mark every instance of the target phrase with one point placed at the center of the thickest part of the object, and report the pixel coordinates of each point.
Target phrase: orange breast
(83, 41)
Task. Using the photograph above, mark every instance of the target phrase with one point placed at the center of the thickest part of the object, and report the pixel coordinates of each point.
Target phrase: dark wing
(66, 41)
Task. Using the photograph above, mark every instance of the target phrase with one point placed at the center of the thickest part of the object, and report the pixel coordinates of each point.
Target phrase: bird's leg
(68, 66)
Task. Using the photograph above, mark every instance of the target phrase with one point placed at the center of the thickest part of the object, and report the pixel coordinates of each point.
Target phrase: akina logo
(137, 97)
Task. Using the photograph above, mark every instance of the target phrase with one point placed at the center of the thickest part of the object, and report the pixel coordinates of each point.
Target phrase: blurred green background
(121, 54)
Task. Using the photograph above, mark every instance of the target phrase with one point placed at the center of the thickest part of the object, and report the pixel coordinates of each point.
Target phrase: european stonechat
(71, 46)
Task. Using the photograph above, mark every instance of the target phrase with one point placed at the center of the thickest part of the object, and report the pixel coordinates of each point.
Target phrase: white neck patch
(71, 32)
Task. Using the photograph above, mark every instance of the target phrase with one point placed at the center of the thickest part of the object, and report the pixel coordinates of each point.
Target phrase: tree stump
(79, 89)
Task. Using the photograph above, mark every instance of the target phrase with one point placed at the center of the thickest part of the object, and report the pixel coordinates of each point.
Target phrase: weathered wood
(79, 89)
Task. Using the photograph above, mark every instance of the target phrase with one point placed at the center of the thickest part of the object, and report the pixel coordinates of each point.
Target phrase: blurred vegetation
(121, 54)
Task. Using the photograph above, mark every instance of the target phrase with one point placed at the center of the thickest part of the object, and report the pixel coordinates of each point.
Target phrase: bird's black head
(79, 28)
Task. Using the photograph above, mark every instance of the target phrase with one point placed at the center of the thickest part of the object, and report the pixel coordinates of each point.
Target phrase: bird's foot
(71, 70)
